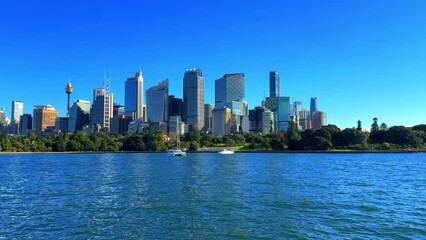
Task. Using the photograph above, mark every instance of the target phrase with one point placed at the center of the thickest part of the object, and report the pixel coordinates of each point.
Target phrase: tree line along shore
(327, 138)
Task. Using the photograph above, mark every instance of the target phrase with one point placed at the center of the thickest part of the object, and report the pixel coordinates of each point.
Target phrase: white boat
(225, 151)
(177, 152)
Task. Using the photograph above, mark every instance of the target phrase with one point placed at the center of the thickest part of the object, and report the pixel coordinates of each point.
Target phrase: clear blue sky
(362, 59)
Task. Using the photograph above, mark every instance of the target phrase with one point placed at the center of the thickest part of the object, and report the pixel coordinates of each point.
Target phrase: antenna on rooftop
(107, 82)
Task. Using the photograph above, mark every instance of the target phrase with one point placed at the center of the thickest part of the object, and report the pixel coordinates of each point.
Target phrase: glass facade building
(297, 107)
(25, 123)
(157, 102)
(175, 106)
(193, 99)
(61, 124)
(133, 96)
(280, 106)
(314, 105)
(229, 88)
(274, 84)
(17, 110)
(79, 115)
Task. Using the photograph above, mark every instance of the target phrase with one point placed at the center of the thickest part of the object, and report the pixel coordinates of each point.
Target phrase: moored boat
(225, 151)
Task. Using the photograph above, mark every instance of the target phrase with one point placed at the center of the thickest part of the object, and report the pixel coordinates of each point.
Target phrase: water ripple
(209, 196)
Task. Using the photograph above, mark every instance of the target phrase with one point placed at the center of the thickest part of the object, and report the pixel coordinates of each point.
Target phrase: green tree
(322, 132)
(332, 130)
(319, 143)
(293, 137)
(402, 136)
(349, 136)
(384, 127)
(421, 127)
(134, 142)
(375, 125)
(194, 146)
(359, 127)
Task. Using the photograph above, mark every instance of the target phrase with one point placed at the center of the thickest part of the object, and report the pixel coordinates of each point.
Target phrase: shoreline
(236, 152)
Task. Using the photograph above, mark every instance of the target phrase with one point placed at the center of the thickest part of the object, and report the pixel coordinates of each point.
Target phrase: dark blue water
(212, 196)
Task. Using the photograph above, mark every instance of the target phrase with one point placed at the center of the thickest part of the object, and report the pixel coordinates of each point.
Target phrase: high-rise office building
(297, 107)
(44, 117)
(117, 109)
(193, 99)
(79, 115)
(61, 124)
(319, 119)
(229, 88)
(314, 105)
(256, 119)
(267, 122)
(119, 122)
(25, 123)
(304, 114)
(274, 84)
(2, 115)
(245, 108)
(208, 108)
(134, 96)
(101, 111)
(175, 106)
(280, 106)
(17, 110)
(157, 102)
(221, 121)
(304, 119)
(176, 125)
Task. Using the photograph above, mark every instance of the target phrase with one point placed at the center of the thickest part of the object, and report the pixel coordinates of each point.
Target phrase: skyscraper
(175, 106)
(61, 124)
(319, 119)
(221, 121)
(25, 123)
(101, 111)
(2, 115)
(43, 117)
(297, 107)
(229, 88)
(280, 106)
(193, 98)
(314, 105)
(208, 108)
(274, 84)
(79, 115)
(17, 110)
(256, 119)
(157, 102)
(134, 96)
(267, 122)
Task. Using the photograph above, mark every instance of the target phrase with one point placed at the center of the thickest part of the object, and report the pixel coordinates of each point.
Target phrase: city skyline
(353, 71)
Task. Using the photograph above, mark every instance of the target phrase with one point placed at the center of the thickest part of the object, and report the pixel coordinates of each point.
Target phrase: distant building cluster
(230, 114)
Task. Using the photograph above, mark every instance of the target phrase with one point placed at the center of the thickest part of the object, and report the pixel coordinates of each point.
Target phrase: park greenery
(329, 137)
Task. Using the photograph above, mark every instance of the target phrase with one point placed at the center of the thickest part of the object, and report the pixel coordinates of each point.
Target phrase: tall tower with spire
(68, 91)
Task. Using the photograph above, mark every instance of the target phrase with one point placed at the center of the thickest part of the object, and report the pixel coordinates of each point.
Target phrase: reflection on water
(206, 196)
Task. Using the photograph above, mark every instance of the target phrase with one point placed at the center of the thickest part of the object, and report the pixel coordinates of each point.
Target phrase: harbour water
(213, 196)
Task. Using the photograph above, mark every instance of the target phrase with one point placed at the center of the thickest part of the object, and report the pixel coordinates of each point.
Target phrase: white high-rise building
(102, 108)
